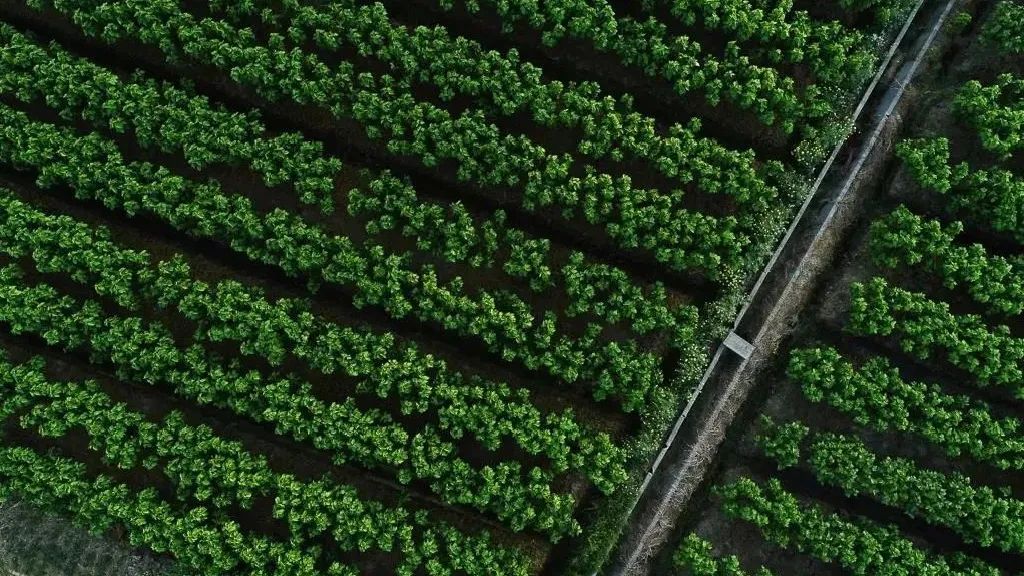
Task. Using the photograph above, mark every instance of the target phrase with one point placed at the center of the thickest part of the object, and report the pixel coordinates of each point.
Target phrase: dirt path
(806, 252)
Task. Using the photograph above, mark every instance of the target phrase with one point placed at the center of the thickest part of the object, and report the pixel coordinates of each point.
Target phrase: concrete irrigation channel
(784, 285)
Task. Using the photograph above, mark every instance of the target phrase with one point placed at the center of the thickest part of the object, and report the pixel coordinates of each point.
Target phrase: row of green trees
(203, 543)
(647, 45)
(163, 116)
(220, 474)
(991, 198)
(875, 396)
(502, 84)
(903, 239)
(834, 53)
(146, 351)
(979, 514)
(229, 311)
(858, 545)
(635, 218)
(159, 115)
(996, 112)
(452, 232)
(275, 330)
(927, 329)
(500, 320)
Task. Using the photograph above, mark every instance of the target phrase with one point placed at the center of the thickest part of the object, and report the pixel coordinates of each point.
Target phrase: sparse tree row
(211, 476)
(697, 555)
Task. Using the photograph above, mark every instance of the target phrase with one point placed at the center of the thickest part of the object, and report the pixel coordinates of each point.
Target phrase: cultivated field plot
(890, 440)
(400, 287)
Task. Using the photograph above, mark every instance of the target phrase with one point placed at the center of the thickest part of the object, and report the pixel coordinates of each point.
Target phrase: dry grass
(37, 544)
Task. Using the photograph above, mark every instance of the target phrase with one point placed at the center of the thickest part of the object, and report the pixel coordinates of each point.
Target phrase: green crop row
(212, 475)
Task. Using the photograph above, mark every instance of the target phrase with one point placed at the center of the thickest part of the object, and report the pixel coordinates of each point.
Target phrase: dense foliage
(991, 198)
(876, 396)
(646, 44)
(977, 513)
(860, 546)
(219, 474)
(504, 85)
(996, 112)
(928, 329)
(374, 277)
(635, 218)
(229, 311)
(904, 239)
(1005, 29)
(834, 53)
